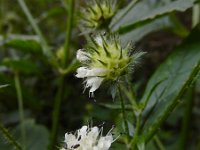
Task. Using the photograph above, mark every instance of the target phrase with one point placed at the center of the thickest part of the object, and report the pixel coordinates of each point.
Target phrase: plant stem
(68, 32)
(186, 119)
(20, 106)
(56, 113)
(137, 129)
(45, 47)
(9, 138)
(158, 143)
(60, 92)
(123, 111)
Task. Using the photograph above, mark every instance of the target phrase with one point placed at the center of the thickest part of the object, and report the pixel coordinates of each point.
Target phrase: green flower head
(105, 59)
(98, 14)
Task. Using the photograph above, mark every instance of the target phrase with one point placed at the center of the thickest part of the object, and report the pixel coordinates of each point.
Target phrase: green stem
(137, 130)
(186, 119)
(56, 113)
(45, 47)
(158, 143)
(60, 93)
(9, 138)
(20, 106)
(68, 32)
(123, 111)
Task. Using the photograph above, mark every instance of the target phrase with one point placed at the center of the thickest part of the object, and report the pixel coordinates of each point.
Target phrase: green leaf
(169, 23)
(25, 45)
(115, 106)
(36, 136)
(149, 10)
(24, 66)
(177, 74)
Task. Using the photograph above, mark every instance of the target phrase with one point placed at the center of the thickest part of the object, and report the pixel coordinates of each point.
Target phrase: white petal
(96, 72)
(94, 133)
(104, 143)
(83, 131)
(81, 72)
(94, 83)
(70, 140)
(82, 56)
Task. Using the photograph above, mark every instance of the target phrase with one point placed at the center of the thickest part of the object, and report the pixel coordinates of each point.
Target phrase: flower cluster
(97, 14)
(105, 59)
(88, 139)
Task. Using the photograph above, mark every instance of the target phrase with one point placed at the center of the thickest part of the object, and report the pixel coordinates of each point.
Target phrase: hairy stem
(123, 111)
(20, 106)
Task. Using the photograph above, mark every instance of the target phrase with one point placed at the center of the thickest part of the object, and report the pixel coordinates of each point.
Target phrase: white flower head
(107, 60)
(88, 138)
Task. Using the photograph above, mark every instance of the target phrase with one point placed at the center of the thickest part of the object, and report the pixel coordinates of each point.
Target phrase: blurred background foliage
(155, 26)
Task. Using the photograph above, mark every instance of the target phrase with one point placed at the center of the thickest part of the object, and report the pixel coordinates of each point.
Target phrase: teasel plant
(104, 59)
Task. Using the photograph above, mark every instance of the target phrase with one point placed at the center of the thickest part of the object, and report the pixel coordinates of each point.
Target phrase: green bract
(105, 59)
(98, 14)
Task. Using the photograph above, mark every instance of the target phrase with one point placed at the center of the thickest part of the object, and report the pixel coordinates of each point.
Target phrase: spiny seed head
(98, 13)
(105, 59)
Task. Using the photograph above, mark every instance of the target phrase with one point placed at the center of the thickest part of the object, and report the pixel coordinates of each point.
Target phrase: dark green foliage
(41, 50)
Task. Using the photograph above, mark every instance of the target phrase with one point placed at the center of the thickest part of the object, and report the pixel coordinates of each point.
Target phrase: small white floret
(88, 139)
(81, 72)
(93, 83)
(82, 56)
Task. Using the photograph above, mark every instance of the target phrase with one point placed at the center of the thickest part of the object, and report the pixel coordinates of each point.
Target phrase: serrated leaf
(177, 73)
(145, 11)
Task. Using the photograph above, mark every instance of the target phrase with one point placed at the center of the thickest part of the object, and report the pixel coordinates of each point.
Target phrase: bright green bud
(98, 14)
(105, 59)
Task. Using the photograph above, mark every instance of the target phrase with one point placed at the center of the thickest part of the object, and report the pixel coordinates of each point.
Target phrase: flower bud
(98, 14)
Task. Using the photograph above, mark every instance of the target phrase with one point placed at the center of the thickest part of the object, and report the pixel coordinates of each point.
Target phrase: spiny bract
(98, 14)
(105, 59)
